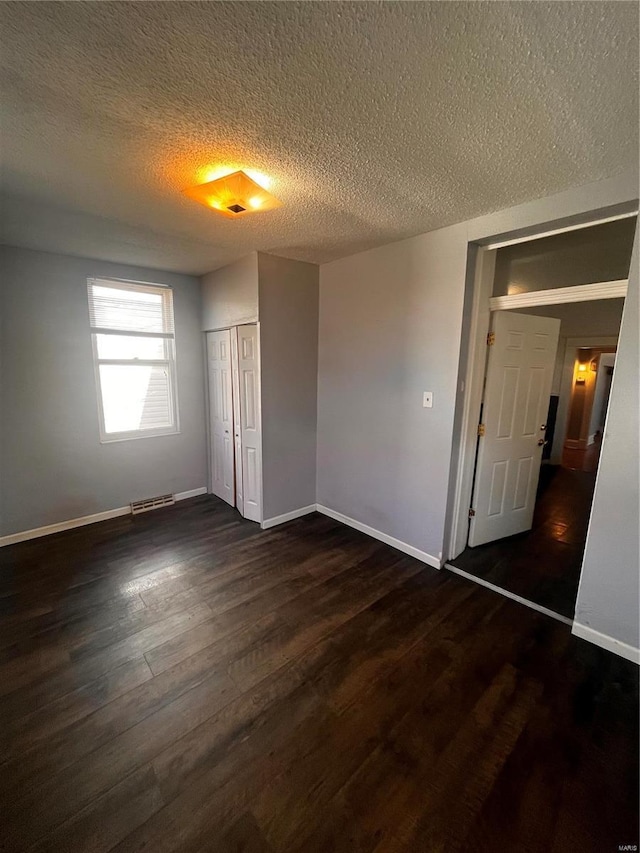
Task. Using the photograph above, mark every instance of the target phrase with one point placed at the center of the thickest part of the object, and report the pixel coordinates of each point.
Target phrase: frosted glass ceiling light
(234, 195)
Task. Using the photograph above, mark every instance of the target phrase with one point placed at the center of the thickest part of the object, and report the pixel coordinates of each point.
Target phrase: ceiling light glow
(212, 173)
(261, 179)
(234, 195)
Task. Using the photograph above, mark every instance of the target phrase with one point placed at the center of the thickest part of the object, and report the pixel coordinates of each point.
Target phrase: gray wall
(53, 467)
(230, 294)
(391, 327)
(288, 295)
(600, 253)
(609, 585)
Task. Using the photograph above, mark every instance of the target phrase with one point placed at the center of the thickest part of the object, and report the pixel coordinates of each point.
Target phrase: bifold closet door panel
(250, 420)
(221, 431)
(237, 430)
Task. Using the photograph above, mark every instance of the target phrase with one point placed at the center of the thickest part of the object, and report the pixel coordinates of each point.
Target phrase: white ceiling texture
(375, 121)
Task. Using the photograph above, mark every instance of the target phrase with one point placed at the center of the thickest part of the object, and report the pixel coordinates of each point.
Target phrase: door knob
(541, 442)
(543, 426)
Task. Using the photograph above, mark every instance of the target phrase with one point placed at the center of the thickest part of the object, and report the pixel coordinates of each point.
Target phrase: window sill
(120, 436)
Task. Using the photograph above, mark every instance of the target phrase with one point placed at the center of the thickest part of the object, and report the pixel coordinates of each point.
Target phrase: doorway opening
(546, 379)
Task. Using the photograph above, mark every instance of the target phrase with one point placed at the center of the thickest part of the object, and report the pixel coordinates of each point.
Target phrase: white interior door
(237, 430)
(221, 415)
(516, 402)
(250, 420)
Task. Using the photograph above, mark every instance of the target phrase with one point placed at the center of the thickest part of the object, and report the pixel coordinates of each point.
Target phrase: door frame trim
(547, 231)
(482, 258)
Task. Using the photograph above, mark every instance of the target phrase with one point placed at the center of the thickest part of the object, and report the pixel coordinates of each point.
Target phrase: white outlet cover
(427, 399)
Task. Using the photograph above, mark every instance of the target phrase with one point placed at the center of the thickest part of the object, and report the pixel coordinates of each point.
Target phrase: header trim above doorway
(559, 295)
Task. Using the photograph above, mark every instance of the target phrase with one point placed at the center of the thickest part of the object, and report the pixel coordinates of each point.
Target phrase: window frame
(170, 362)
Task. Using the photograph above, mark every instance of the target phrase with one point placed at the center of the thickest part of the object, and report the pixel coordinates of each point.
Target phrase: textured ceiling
(375, 120)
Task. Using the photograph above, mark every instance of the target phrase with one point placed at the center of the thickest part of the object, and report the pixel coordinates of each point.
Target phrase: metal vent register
(151, 503)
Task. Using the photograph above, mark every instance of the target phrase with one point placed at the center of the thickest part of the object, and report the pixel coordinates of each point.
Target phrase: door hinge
(491, 339)
(472, 512)
(481, 430)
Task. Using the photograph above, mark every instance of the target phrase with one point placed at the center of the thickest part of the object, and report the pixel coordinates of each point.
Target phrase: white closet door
(250, 420)
(237, 431)
(221, 415)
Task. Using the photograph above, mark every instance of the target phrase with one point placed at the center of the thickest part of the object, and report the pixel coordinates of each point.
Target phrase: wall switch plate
(427, 399)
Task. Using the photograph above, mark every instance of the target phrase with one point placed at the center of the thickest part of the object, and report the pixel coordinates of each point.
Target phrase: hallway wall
(609, 595)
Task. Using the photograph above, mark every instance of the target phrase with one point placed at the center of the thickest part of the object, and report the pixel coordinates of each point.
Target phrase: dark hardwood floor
(544, 564)
(184, 681)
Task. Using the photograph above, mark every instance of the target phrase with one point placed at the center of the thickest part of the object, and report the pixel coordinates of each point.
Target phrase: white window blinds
(132, 330)
(130, 308)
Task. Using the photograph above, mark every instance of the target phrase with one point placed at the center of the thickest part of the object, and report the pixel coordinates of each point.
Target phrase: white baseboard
(382, 537)
(192, 493)
(47, 530)
(36, 532)
(606, 642)
(287, 516)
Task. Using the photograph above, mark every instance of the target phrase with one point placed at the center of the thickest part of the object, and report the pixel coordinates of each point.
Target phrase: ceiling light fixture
(234, 195)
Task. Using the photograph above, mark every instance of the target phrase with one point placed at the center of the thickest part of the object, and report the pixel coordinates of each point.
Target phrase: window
(132, 331)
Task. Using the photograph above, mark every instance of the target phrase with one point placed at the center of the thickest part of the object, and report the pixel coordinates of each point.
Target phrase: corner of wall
(288, 299)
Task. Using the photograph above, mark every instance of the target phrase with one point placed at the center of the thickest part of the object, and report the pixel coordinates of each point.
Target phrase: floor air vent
(151, 503)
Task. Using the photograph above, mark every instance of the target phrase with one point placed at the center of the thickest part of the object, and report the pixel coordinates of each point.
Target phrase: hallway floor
(544, 564)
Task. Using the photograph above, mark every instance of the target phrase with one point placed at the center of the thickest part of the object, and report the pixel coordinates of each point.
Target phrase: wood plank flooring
(544, 564)
(182, 681)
